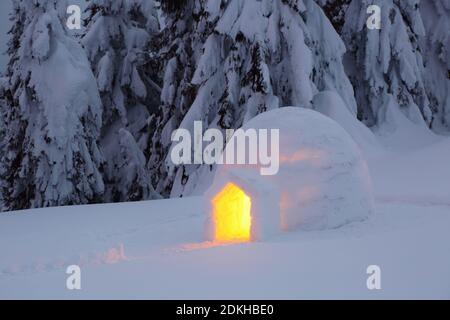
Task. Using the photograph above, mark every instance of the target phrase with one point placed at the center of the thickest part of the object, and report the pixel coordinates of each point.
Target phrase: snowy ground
(155, 249)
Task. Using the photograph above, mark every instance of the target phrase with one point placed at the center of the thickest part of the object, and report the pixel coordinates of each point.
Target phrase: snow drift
(331, 105)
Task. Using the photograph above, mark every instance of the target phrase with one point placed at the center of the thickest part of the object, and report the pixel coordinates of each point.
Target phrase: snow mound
(331, 105)
(397, 132)
(323, 181)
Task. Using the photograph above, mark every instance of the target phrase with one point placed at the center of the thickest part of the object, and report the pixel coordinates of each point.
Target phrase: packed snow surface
(156, 249)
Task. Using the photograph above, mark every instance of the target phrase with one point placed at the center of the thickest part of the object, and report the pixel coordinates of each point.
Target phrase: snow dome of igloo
(323, 182)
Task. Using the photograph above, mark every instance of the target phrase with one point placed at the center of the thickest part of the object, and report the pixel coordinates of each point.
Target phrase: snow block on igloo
(323, 182)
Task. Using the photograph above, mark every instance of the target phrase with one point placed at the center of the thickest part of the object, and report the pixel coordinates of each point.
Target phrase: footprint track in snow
(110, 256)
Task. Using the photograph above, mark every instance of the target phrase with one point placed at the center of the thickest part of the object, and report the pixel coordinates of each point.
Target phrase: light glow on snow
(232, 215)
(315, 157)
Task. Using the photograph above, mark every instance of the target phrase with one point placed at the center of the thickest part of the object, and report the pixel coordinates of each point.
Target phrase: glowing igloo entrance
(232, 215)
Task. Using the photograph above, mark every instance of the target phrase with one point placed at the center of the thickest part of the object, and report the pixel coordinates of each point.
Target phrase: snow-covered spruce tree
(228, 61)
(117, 38)
(132, 176)
(436, 50)
(3, 88)
(386, 66)
(335, 11)
(180, 42)
(52, 114)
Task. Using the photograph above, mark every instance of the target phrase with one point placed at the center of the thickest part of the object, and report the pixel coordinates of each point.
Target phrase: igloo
(323, 182)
